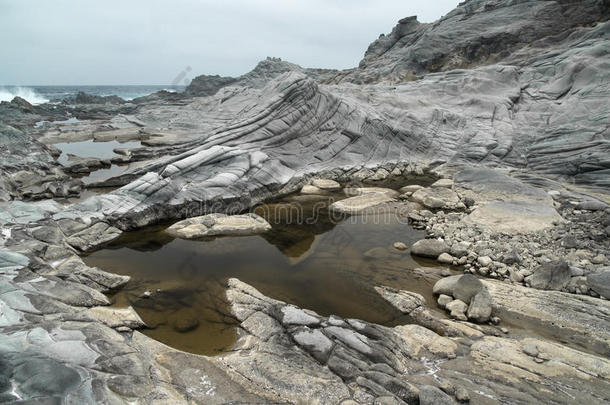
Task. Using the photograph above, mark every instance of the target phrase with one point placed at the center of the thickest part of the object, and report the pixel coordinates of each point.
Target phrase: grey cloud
(150, 42)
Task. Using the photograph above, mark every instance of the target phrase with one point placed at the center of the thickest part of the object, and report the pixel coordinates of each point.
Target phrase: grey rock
(461, 287)
(511, 257)
(569, 242)
(461, 394)
(550, 276)
(484, 261)
(429, 248)
(576, 271)
(296, 316)
(592, 205)
(530, 349)
(458, 309)
(400, 246)
(600, 283)
(325, 184)
(93, 236)
(443, 300)
(445, 258)
(437, 197)
(429, 395)
(358, 204)
(219, 225)
(480, 307)
(514, 216)
(460, 249)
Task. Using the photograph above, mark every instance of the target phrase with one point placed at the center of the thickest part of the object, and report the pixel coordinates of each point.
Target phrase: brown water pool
(325, 264)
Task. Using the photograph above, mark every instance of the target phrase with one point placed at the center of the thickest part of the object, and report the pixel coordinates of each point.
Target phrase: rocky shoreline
(47, 290)
(500, 149)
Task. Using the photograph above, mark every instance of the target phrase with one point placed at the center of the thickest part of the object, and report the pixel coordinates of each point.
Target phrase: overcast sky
(152, 42)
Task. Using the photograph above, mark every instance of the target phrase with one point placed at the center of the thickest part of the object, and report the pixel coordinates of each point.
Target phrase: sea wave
(29, 94)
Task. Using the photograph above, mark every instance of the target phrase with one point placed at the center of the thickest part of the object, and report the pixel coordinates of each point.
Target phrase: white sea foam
(8, 93)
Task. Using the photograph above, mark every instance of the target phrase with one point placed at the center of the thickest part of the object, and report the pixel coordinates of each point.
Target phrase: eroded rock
(219, 225)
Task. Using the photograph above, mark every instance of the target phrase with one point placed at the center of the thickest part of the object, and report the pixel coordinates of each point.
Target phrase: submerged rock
(219, 225)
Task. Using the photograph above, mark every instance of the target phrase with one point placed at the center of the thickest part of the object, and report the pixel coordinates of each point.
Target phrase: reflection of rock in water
(193, 319)
(146, 240)
(296, 225)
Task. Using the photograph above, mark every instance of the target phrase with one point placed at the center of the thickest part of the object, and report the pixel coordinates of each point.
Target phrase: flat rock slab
(358, 204)
(219, 225)
(579, 319)
(116, 317)
(355, 191)
(325, 184)
(20, 212)
(500, 368)
(93, 236)
(514, 216)
(489, 184)
(436, 197)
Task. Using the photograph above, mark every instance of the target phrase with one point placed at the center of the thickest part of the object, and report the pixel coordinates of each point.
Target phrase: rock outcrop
(518, 86)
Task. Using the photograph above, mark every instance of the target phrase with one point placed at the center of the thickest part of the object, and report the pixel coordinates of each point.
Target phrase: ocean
(43, 94)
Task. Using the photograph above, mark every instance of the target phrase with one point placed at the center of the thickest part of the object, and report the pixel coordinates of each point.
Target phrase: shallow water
(90, 148)
(317, 264)
(100, 150)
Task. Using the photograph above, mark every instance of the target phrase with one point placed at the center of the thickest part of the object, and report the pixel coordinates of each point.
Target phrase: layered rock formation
(517, 85)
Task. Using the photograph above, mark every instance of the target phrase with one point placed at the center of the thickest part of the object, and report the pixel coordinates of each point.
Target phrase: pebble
(400, 246)
(530, 349)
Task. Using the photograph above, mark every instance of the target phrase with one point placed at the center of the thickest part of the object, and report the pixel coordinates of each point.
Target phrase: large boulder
(480, 307)
(469, 290)
(550, 276)
(432, 248)
(461, 287)
(219, 225)
(600, 283)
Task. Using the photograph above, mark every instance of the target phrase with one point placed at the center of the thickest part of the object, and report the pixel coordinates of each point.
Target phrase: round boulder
(431, 248)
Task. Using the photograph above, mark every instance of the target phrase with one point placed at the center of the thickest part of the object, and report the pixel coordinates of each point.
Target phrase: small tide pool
(327, 265)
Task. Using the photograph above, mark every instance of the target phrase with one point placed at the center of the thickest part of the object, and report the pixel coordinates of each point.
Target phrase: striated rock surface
(520, 86)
